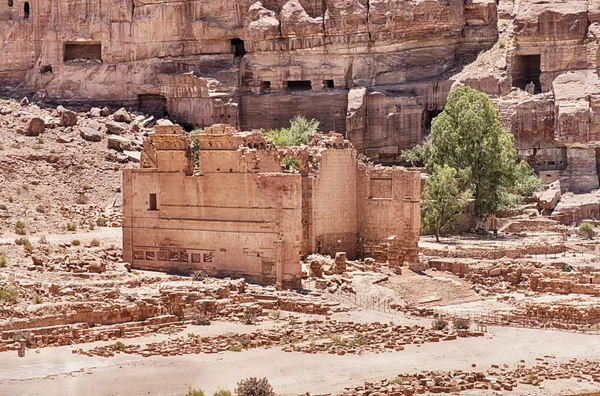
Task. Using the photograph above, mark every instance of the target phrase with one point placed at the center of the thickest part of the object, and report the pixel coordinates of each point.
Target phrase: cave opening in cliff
(26, 9)
(239, 48)
(155, 105)
(10, 3)
(83, 51)
(265, 86)
(527, 70)
(300, 85)
(329, 83)
(428, 116)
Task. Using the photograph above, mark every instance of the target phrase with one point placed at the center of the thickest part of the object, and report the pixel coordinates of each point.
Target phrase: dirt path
(290, 373)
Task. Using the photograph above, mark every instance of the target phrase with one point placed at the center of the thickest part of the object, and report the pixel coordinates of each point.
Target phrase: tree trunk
(437, 235)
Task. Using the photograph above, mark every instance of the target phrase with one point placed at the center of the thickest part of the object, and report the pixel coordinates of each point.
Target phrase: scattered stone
(90, 134)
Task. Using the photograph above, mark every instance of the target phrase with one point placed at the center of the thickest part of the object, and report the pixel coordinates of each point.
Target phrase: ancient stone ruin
(240, 213)
(154, 241)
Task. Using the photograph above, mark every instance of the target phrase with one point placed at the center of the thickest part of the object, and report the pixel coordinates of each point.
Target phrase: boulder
(5, 110)
(67, 117)
(121, 144)
(105, 112)
(96, 267)
(89, 134)
(547, 200)
(122, 115)
(63, 138)
(115, 128)
(133, 156)
(31, 126)
(95, 112)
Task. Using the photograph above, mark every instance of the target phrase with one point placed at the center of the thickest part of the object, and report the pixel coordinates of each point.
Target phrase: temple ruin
(240, 213)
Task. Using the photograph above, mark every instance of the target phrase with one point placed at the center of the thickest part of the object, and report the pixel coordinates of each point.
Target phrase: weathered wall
(389, 213)
(240, 214)
(334, 208)
(232, 219)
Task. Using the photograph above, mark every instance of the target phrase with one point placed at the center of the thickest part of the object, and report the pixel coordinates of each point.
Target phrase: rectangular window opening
(83, 52)
(152, 203)
(208, 257)
(149, 255)
(303, 85)
(526, 73)
(329, 84)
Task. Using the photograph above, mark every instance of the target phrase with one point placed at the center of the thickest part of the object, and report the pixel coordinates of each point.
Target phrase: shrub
(586, 231)
(9, 295)
(21, 241)
(248, 318)
(461, 324)
(439, 324)
(71, 227)
(76, 242)
(502, 43)
(567, 268)
(194, 392)
(295, 135)
(222, 392)
(290, 163)
(95, 243)
(82, 199)
(254, 387)
(11, 199)
(38, 299)
(20, 228)
(25, 243)
(101, 222)
(275, 314)
(3, 261)
(200, 320)
(245, 341)
(235, 348)
(19, 336)
(119, 345)
(86, 187)
(199, 275)
(92, 226)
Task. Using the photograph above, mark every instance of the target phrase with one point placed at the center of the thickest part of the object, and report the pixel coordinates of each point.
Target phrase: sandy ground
(57, 371)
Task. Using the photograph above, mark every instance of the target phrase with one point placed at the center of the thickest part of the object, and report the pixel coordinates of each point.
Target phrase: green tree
(296, 134)
(415, 156)
(469, 137)
(443, 201)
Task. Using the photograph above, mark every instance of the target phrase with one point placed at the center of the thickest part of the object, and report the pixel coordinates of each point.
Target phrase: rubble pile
(312, 336)
(497, 378)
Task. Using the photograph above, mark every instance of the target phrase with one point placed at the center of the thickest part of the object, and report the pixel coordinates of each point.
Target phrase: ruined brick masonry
(240, 214)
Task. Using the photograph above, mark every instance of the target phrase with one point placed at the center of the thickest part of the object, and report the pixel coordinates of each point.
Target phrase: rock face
(250, 64)
(377, 71)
